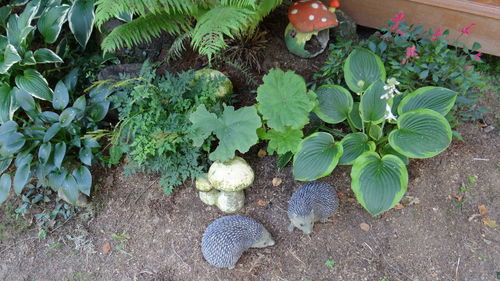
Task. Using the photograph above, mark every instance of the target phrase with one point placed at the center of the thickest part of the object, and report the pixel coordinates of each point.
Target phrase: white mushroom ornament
(309, 18)
(224, 184)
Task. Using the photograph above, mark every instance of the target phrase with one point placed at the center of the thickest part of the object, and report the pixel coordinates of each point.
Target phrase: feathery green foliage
(208, 23)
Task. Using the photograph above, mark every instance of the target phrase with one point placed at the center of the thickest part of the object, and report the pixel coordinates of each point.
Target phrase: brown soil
(132, 231)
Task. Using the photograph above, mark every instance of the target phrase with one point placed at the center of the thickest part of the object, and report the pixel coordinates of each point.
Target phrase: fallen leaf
(261, 203)
(482, 209)
(399, 206)
(474, 216)
(459, 198)
(489, 222)
(106, 247)
(449, 197)
(277, 181)
(364, 226)
(261, 153)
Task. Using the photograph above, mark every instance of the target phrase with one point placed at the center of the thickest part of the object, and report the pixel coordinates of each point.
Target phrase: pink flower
(468, 67)
(466, 30)
(411, 52)
(396, 20)
(438, 32)
(400, 32)
(477, 56)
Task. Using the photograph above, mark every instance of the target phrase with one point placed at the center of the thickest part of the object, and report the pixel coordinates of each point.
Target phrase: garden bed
(131, 230)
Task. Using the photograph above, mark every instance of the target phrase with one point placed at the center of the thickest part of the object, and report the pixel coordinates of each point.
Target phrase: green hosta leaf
(283, 142)
(375, 132)
(353, 146)
(8, 104)
(387, 149)
(44, 152)
(23, 158)
(80, 104)
(10, 140)
(85, 156)
(438, 99)
(317, 157)
(4, 163)
(5, 183)
(50, 23)
(334, 103)
(28, 59)
(354, 117)
(49, 117)
(69, 189)
(17, 31)
(59, 153)
(61, 96)
(372, 107)
(10, 57)
(81, 20)
(284, 100)
(421, 133)
(378, 183)
(35, 84)
(46, 56)
(56, 178)
(4, 14)
(83, 179)
(67, 116)
(71, 79)
(24, 99)
(29, 12)
(21, 178)
(99, 111)
(52, 131)
(235, 129)
(361, 69)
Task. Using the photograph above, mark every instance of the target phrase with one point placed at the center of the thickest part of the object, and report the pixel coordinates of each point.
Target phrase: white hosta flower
(390, 89)
(388, 113)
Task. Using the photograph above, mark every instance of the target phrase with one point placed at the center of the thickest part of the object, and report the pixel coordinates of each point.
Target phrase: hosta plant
(387, 128)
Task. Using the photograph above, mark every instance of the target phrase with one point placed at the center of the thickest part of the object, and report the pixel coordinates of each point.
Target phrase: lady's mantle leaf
(283, 142)
(284, 100)
(235, 129)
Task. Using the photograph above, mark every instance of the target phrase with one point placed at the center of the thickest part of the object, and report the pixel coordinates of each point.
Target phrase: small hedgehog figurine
(312, 202)
(226, 238)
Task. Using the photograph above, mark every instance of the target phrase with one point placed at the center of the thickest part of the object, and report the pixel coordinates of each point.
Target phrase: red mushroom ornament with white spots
(307, 34)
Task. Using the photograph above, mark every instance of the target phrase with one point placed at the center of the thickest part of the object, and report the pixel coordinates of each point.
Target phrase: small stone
(106, 248)
(202, 183)
(364, 226)
(277, 181)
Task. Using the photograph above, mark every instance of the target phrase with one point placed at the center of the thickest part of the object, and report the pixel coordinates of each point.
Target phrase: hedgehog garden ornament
(312, 202)
(226, 238)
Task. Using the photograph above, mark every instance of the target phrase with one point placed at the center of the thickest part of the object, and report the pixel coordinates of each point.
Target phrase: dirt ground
(132, 231)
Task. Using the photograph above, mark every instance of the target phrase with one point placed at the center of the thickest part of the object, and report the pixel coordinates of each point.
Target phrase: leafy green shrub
(214, 21)
(417, 58)
(380, 143)
(154, 126)
(40, 134)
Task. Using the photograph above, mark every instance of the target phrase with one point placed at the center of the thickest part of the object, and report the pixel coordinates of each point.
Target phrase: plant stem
(332, 131)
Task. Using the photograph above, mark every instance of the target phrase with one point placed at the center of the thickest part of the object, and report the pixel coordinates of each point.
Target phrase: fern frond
(107, 9)
(178, 47)
(211, 27)
(143, 29)
(267, 6)
(240, 3)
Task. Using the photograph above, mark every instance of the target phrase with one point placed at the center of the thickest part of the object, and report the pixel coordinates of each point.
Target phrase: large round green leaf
(354, 145)
(317, 157)
(421, 133)
(35, 84)
(334, 103)
(284, 100)
(438, 99)
(378, 183)
(361, 69)
(81, 20)
(5, 183)
(372, 107)
(51, 21)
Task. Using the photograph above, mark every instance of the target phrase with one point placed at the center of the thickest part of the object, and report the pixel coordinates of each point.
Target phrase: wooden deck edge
(464, 6)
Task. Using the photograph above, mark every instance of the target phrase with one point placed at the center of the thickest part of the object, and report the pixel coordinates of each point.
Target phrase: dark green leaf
(21, 178)
(10, 57)
(61, 96)
(283, 160)
(378, 183)
(317, 157)
(83, 179)
(5, 183)
(85, 155)
(24, 99)
(56, 178)
(99, 111)
(46, 56)
(438, 99)
(59, 153)
(361, 69)
(334, 103)
(7, 103)
(354, 117)
(81, 20)
(71, 79)
(49, 117)
(67, 116)
(353, 146)
(70, 189)
(387, 149)
(44, 152)
(50, 23)
(80, 104)
(424, 74)
(372, 107)
(35, 84)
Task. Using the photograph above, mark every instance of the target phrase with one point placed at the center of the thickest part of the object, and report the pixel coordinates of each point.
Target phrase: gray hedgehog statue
(312, 202)
(226, 238)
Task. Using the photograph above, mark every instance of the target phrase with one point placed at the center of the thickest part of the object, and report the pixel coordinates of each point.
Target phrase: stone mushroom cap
(232, 175)
(311, 16)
